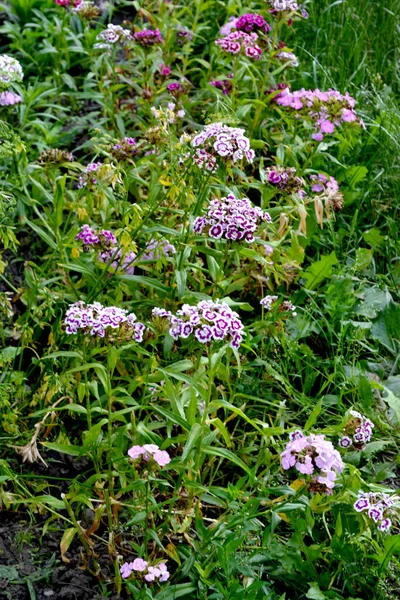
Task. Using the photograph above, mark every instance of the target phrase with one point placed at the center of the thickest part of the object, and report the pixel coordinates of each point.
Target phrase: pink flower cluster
(148, 451)
(148, 37)
(323, 183)
(239, 41)
(208, 321)
(231, 218)
(95, 319)
(159, 572)
(9, 98)
(378, 505)
(67, 3)
(286, 306)
(221, 141)
(126, 148)
(252, 22)
(225, 85)
(109, 253)
(87, 175)
(156, 249)
(313, 455)
(284, 178)
(326, 110)
(358, 431)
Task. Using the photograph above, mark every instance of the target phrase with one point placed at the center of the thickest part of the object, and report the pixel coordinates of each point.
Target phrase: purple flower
(345, 442)
(361, 504)
(9, 98)
(126, 570)
(139, 564)
(252, 22)
(385, 525)
(148, 37)
(375, 513)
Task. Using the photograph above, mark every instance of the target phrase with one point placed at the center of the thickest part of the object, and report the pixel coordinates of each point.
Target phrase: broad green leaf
(319, 270)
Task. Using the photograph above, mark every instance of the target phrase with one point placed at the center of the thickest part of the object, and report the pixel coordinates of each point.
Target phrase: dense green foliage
(225, 516)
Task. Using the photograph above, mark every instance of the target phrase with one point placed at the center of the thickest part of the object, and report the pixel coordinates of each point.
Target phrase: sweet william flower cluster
(219, 141)
(157, 572)
(97, 320)
(148, 37)
(268, 303)
(9, 98)
(10, 71)
(207, 321)
(231, 218)
(114, 34)
(379, 507)
(313, 455)
(240, 42)
(325, 110)
(148, 452)
(109, 253)
(358, 431)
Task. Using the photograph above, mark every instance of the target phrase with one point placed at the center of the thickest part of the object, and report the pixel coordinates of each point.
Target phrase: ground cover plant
(199, 270)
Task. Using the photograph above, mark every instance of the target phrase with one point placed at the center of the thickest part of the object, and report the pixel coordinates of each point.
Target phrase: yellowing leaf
(165, 181)
(75, 252)
(65, 543)
(297, 484)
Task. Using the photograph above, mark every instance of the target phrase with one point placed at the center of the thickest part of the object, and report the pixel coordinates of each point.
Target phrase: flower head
(99, 321)
(239, 42)
(219, 141)
(207, 321)
(9, 98)
(148, 37)
(232, 219)
(313, 455)
(10, 71)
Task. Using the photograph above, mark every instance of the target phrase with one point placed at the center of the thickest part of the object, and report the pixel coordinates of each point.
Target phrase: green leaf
(8, 572)
(63, 448)
(314, 593)
(319, 271)
(363, 260)
(178, 591)
(223, 453)
(195, 434)
(374, 238)
(386, 329)
(393, 401)
(312, 419)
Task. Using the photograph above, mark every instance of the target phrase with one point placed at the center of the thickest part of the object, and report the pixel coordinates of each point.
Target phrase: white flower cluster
(10, 70)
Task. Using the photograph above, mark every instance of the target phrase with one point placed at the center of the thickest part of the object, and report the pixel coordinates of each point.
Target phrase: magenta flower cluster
(323, 183)
(109, 253)
(241, 42)
(313, 455)
(326, 110)
(148, 452)
(231, 218)
(358, 431)
(221, 141)
(158, 572)
(96, 320)
(225, 85)
(378, 506)
(252, 22)
(148, 37)
(208, 321)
